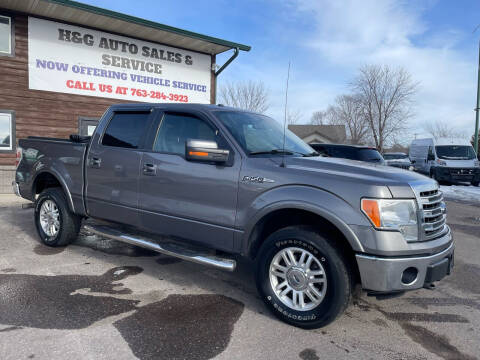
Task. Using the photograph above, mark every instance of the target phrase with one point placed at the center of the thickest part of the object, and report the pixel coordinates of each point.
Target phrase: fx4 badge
(257, 179)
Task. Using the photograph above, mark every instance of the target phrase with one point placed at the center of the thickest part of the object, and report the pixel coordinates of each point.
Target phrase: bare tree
(319, 118)
(440, 129)
(348, 111)
(386, 97)
(294, 116)
(250, 95)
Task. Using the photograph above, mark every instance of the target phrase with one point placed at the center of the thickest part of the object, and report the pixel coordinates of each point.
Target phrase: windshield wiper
(273, 151)
(282, 151)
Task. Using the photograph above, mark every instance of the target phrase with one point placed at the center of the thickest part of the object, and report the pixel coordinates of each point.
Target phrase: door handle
(95, 162)
(149, 169)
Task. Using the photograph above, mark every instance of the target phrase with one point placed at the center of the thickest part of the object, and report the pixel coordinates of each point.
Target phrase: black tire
(433, 174)
(69, 222)
(475, 183)
(339, 278)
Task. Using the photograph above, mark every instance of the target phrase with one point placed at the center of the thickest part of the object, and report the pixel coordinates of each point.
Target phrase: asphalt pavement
(101, 299)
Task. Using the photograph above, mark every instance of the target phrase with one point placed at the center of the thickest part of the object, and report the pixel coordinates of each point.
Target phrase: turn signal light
(198, 153)
(371, 209)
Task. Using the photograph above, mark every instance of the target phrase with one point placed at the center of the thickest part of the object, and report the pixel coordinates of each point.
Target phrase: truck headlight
(441, 162)
(390, 214)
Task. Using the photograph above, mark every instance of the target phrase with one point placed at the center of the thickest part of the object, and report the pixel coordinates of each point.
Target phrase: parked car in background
(398, 159)
(446, 159)
(352, 152)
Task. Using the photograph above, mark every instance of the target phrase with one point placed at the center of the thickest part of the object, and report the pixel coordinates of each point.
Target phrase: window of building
(126, 129)
(176, 129)
(7, 131)
(5, 35)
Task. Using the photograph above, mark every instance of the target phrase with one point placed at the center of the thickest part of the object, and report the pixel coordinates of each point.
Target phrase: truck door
(113, 166)
(187, 199)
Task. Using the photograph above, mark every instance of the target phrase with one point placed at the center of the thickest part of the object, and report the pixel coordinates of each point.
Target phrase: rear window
(395, 156)
(370, 155)
(126, 129)
(343, 152)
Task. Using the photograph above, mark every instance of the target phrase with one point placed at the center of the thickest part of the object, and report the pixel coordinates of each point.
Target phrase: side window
(125, 129)
(5, 35)
(430, 152)
(176, 129)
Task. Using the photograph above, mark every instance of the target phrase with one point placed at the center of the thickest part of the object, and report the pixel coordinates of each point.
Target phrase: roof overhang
(115, 22)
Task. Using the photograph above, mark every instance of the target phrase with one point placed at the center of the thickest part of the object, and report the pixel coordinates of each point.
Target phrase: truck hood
(363, 171)
(459, 163)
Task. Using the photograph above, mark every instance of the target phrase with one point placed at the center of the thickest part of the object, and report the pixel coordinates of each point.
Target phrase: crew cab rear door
(113, 165)
(188, 199)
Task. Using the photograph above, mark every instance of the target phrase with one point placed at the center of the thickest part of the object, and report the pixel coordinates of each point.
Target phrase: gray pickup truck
(206, 183)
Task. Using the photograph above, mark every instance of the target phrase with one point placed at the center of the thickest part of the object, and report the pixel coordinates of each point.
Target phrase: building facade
(62, 63)
(312, 134)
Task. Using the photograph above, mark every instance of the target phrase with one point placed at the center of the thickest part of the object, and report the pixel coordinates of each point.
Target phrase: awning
(115, 22)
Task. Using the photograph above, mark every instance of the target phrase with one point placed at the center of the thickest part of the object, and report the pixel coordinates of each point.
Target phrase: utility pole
(477, 108)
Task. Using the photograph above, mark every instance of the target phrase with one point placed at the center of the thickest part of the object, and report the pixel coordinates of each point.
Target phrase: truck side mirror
(431, 157)
(204, 150)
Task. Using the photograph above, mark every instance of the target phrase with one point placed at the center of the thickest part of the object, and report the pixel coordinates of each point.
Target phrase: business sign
(75, 60)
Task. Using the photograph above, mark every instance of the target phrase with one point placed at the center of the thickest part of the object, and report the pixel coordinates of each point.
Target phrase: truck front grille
(433, 214)
(462, 171)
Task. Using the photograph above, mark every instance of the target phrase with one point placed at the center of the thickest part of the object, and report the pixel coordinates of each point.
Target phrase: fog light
(409, 276)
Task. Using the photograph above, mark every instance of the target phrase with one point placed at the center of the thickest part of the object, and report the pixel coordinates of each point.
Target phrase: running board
(170, 249)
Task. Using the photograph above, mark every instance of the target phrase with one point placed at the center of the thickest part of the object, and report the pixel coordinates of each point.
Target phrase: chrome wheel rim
(298, 279)
(50, 218)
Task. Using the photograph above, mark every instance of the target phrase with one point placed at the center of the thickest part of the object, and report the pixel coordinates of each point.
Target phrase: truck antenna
(285, 118)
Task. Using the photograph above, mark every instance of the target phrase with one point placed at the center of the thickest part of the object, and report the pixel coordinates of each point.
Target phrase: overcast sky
(327, 40)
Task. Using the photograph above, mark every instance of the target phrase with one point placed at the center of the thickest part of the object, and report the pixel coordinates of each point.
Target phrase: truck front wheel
(302, 277)
(56, 224)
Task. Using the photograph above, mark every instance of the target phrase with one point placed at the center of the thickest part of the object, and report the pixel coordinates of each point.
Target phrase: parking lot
(100, 299)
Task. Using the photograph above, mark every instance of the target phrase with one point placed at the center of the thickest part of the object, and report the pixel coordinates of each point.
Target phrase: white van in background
(446, 159)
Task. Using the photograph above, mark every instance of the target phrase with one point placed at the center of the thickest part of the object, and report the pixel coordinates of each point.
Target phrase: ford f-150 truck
(206, 183)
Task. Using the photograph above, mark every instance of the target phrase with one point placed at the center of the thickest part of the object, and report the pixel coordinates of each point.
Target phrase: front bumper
(457, 174)
(386, 274)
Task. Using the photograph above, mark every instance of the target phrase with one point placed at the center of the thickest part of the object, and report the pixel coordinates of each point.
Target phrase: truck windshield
(455, 152)
(259, 134)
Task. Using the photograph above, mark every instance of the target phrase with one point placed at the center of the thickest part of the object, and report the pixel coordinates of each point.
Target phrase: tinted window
(343, 152)
(176, 129)
(394, 156)
(126, 129)
(370, 155)
(320, 149)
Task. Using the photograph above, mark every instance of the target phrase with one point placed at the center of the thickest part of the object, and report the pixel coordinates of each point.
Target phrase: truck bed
(63, 157)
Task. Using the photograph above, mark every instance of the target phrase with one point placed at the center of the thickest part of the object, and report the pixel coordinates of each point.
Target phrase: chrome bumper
(16, 189)
(385, 274)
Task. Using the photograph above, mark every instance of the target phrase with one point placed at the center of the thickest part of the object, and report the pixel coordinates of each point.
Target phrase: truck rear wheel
(56, 224)
(302, 277)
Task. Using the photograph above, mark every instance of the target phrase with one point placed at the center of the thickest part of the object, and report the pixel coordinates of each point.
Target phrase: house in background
(320, 133)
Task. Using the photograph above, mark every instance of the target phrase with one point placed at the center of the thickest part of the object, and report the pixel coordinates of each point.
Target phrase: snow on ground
(461, 192)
